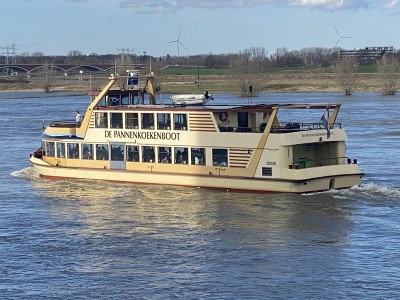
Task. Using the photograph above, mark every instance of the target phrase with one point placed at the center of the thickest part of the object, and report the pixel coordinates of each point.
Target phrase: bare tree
(123, 63)
(74, 53)
(388, 66)
(243, 74)
(345, 69)
(257, 56)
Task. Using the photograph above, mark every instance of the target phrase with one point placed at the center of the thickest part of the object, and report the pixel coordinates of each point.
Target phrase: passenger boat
(192, 99)
(125, 136)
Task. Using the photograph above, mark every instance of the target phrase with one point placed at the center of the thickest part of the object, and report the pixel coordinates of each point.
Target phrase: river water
(96, 240)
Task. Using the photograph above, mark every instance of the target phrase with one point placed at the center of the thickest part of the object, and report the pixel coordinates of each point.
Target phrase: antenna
(178, 42)
(339, 37)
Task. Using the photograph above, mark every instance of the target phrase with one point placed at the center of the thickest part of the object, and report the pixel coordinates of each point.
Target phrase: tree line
(243, 65)
(255, 56)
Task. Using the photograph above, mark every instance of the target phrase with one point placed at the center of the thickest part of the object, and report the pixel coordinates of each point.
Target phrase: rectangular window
(181, 155)
(148, 154)
(101, 120)
(147, 121)
(220, 157)
(180, 121)
(132, 153)
(116, 120)
(164, 121)
(198, 156)
(131, 120)
(60, 150)
(164, 155)
(102, 102)
(50, 149)
(113, 100)
(87, 151)
(102, 152)
(125, 99)
(266, 171)
(117, 152)
(73, 150)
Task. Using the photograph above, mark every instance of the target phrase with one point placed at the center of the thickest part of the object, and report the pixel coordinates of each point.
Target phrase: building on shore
(367, 54)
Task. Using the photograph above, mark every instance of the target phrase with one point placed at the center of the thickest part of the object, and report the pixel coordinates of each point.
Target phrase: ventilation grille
(239, 158)
(201, 122)
(266, 171)
(91, 121)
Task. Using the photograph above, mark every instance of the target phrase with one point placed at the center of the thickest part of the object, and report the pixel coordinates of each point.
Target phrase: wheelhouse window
(125, 99)
(164, 155)
(132, 120)
(101, 120)
(147, 121)
(73, 150)
(102, 152)
(61, 150)
(50, 149)
(87, 151)
(132, 153)
(116, 120)
(198, 156)
(181, 155)
(102, 102)
(220, 157)
(180, 121)
(148, 154)
(113, 100)
(164, 121)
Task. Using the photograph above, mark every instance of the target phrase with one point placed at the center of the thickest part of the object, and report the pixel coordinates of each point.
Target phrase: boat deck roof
(223, 107)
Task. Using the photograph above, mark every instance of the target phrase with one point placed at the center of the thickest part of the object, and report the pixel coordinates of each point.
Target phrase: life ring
(223, 116)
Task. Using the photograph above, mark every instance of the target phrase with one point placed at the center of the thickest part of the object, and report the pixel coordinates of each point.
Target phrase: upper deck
(127, 107)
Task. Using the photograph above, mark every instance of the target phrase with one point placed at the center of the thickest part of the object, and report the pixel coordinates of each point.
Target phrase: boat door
(117, 157)
(243, 120)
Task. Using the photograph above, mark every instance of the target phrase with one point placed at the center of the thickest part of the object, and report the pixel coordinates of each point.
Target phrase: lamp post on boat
(250, 94)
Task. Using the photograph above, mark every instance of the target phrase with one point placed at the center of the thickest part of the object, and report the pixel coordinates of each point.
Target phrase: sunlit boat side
(125, 136)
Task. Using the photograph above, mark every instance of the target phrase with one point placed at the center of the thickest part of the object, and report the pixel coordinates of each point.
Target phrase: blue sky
(56, 27)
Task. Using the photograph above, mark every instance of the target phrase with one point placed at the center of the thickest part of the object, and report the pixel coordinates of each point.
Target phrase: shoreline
(301, 82)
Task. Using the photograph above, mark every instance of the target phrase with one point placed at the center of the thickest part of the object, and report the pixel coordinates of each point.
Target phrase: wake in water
(371, 190)
(96, 189)
(99, 189)
(27, 173)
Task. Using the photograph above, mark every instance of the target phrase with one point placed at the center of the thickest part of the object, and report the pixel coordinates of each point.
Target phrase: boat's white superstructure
(191, 99)
(238, 147)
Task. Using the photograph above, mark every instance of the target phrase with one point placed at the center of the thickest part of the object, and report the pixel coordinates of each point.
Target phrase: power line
(11, 51)
(125, 50)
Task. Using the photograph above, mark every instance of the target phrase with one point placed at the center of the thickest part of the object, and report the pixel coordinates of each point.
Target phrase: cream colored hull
(295, 185)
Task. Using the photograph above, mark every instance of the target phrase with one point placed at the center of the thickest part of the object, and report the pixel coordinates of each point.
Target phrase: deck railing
(282, 128)
(304, 163)
(65, 124)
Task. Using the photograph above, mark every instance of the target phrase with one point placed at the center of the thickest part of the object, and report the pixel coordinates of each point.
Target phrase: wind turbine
(178, 42)
(339, 37)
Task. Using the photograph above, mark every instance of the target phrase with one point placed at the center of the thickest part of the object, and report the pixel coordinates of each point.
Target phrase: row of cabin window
(167, 155)
(146, 120)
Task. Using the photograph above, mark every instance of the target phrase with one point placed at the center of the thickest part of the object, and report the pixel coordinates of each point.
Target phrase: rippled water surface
(95, 240)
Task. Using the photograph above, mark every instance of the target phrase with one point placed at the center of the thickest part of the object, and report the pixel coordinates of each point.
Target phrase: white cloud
(319, 3)
(393, 4)
(76, 1)
(165, 6)
(335, 4)
(170, 6)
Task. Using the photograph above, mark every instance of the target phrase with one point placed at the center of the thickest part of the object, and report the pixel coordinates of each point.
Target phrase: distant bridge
(66, 68)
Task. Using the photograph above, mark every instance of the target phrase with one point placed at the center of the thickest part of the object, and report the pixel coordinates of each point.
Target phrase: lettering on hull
(142, 135)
